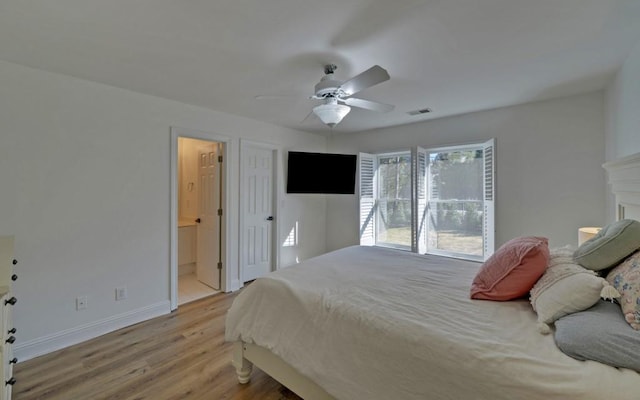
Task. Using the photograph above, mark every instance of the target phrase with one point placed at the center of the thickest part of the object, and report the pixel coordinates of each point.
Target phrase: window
(437, 201)
(393, 224)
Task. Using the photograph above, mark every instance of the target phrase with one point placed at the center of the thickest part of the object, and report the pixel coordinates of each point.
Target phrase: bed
(378, 323)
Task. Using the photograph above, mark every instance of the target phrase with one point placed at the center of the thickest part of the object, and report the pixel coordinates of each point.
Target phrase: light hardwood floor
(178, 356)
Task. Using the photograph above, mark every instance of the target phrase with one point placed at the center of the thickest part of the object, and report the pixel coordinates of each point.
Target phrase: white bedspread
(372, 323)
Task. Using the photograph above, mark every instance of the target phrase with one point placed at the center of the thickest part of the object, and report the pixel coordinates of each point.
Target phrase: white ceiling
(454, 56)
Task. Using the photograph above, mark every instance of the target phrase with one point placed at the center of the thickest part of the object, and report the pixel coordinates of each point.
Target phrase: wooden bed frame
(624, 178)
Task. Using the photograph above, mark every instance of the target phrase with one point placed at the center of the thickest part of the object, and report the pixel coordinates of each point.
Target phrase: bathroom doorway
(200, 209)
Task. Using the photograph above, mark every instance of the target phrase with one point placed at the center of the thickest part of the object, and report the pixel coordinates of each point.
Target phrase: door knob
(197, 220)
(270, 218)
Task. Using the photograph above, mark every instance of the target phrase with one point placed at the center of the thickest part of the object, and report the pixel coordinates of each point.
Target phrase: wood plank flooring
(178, 356)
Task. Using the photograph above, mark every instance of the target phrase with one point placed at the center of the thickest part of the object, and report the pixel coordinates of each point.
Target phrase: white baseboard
(59, 340)
(186, 269)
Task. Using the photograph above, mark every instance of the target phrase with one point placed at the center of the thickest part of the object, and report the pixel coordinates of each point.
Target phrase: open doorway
(199, 218)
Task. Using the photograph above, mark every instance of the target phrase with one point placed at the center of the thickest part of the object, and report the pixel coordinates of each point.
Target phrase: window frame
(376, 187)
(420, 198)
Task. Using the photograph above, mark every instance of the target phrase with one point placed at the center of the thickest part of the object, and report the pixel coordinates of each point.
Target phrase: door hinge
(220, 265)
(220, 159)
(220, 211)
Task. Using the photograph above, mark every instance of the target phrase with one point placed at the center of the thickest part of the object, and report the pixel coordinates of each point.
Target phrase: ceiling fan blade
(368, 105)
(368, 78)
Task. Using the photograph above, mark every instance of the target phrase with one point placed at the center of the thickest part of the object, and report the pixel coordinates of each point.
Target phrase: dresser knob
(14, 277)
(12, 330)
(11, 301)
(11, 381)
(15, 262)
(14, 360)
(11, 339)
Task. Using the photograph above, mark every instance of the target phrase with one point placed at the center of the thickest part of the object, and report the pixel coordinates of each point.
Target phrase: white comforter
(373, 323)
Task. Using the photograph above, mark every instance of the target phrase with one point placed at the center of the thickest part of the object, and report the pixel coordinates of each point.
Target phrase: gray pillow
(610, 245)
(600, 334)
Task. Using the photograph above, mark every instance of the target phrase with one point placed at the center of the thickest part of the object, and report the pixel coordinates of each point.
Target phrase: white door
(208, 235)
(257, 209)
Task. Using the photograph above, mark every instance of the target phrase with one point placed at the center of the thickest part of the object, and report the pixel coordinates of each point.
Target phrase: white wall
(549, 176)
(84, 187)
(623, 109)
(304, 212)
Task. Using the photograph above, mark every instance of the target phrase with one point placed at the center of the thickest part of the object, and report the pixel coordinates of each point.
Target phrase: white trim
(489, 198)
(419, 222)
(624, 177)
(367, 206)
(173, 224)
(457, 147)
(236, 284)
(277, 200)
(630, 161)
(59, 340)
(227, 249)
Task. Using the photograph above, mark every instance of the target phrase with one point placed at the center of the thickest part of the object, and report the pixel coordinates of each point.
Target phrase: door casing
(228, 258)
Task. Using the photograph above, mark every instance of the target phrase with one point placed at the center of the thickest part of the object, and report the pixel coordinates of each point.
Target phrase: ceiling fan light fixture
(331, 113)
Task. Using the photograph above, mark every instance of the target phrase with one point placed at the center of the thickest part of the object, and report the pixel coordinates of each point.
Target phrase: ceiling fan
(336, 95)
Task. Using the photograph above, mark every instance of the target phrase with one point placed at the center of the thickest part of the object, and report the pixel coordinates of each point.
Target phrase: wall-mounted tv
(321, 173)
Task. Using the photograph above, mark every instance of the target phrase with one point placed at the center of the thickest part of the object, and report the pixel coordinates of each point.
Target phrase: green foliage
(458, 216)
(456, 175)
(395, 214)
(394, 177)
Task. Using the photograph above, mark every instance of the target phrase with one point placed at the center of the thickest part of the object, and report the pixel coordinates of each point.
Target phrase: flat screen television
(325, 173)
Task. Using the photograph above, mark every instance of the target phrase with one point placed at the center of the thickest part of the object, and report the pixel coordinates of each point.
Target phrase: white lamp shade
(587, 233)
(331, 114)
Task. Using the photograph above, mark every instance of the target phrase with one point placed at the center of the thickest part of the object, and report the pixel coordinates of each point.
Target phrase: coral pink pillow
(512, 271)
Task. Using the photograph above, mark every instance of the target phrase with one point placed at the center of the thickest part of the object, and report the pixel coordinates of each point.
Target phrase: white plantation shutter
(367, 193)
(488, 224)
(419, 200)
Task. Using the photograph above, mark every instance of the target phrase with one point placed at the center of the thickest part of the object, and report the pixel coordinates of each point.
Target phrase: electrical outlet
(81, 303)
(121, 293)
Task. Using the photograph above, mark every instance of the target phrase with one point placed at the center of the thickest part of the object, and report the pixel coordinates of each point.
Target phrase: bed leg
(242, 365)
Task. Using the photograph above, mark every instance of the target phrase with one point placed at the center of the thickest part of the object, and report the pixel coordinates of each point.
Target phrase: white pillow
(564, 288)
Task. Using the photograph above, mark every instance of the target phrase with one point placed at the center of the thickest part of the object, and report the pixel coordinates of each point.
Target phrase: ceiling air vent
(418, 112)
